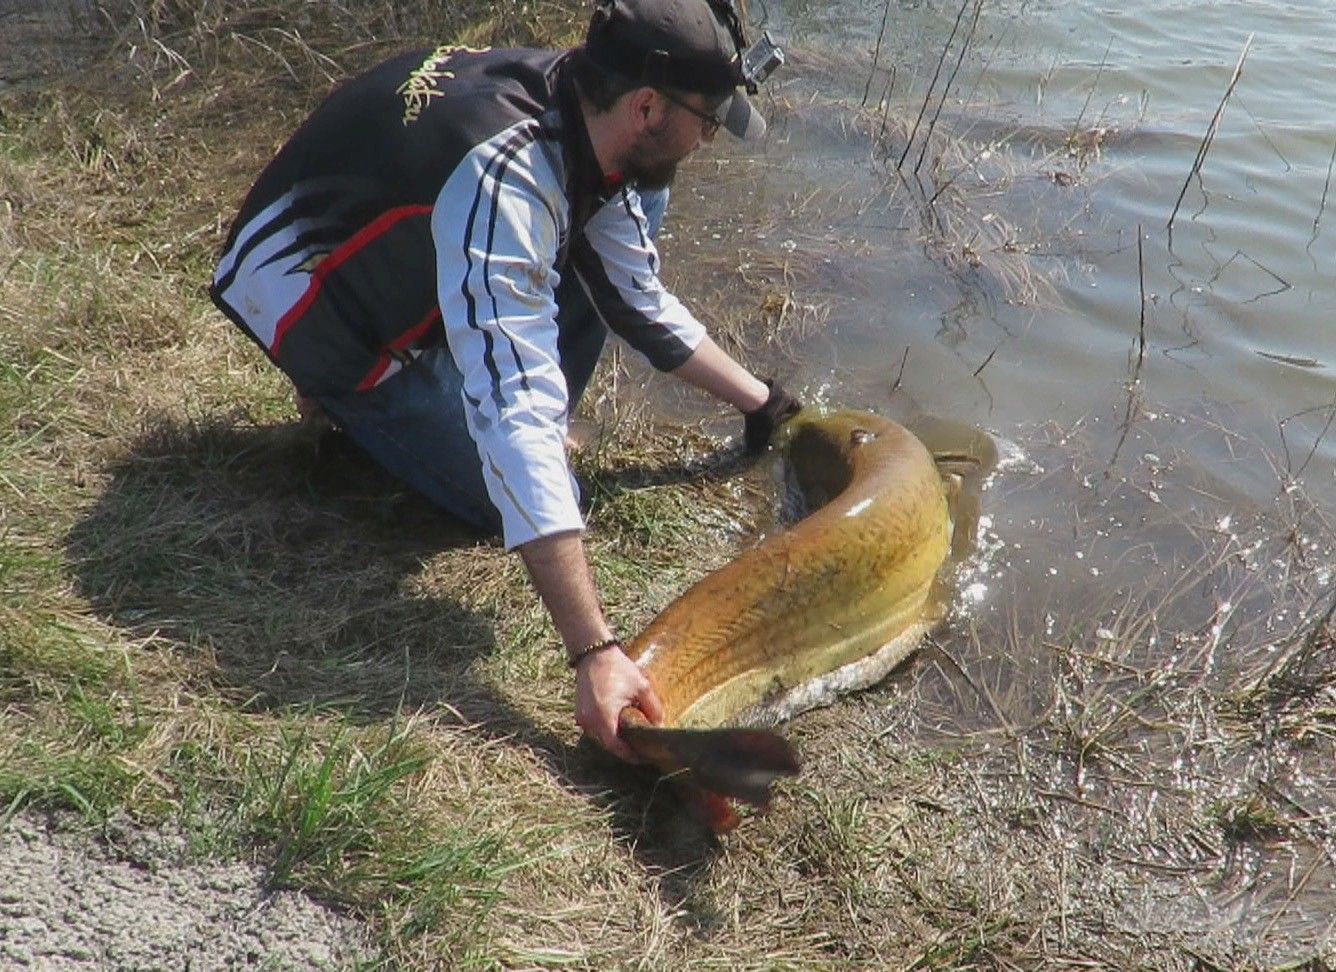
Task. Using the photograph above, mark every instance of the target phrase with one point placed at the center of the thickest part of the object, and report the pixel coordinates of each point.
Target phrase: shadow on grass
(722, 465)
(292, 570)
(284, 563)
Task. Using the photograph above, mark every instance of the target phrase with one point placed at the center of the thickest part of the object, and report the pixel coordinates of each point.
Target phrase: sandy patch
(134, 900)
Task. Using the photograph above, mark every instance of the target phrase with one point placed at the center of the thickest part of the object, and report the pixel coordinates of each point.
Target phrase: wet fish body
(828, 606)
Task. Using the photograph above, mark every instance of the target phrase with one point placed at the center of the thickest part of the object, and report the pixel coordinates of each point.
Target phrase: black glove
(760, 424)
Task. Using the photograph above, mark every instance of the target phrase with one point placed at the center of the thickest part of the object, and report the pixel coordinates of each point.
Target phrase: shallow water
(1013, 301)
(1161, 528)
(1235, 315)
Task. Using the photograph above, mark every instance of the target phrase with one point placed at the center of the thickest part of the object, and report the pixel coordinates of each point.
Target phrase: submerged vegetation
(214, 619)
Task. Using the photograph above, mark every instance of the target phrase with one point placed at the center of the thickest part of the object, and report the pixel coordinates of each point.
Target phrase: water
(41, 39)
(1235, 310)
(1161, 531)
(1013, 298)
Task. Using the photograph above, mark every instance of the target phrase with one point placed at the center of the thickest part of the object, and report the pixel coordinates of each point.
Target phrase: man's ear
(641, 105)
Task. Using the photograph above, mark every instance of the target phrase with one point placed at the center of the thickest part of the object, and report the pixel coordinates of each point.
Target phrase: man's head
(674, 68)
(679, 46)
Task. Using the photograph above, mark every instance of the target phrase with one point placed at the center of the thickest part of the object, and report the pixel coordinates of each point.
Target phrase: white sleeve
(618, 265)
(496, 226)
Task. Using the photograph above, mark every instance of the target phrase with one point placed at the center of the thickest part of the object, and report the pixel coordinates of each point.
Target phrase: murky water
(1161, 530)
(40, 39)
(1235, 312)
(999, 281)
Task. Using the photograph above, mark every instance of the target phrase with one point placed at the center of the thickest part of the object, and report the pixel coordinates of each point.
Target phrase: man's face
(659, 148)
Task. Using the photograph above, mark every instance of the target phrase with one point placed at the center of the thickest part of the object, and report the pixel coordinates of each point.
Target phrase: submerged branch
(946, 88)
(1322, 206)
(1141, 280)
(1317, 443)
(876, 51)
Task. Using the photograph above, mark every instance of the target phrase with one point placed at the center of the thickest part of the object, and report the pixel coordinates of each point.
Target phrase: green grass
(214, 621)
(339, 810)
(326, 809)
(1249, 820)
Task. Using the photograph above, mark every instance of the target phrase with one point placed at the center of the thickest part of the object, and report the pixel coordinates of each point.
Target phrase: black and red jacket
(444, 194)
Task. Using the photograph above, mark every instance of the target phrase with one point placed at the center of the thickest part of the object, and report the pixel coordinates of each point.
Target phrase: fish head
(821, 450)
(966, 457)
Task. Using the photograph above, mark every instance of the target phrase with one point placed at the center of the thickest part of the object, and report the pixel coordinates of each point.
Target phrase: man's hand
(760, 424)
(605, 683)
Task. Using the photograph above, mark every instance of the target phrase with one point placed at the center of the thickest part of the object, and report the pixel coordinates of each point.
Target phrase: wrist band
(573, 658)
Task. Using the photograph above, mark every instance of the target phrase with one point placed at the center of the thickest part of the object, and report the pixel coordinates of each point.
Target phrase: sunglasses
(709, 124)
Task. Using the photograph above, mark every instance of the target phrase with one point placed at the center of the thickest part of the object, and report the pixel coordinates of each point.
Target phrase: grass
(215, 620)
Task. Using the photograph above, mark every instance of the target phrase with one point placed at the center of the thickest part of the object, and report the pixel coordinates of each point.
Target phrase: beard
(652, 175)
(648, 167)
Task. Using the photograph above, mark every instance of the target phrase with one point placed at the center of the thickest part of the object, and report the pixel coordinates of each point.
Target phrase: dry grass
(210, 616)
(213, 617)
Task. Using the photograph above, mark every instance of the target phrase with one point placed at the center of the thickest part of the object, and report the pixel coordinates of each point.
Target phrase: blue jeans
(412, 424)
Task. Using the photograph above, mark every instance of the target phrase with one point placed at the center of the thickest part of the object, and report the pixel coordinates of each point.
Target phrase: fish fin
(712, 810)
(741, 763)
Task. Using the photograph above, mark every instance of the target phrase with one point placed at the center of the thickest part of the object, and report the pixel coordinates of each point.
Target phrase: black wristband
(573, 658)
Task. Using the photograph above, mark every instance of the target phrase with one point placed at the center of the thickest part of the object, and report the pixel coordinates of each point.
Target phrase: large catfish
(828, 606)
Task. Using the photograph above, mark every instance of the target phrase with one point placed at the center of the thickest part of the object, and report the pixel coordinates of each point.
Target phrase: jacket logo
(422, 85)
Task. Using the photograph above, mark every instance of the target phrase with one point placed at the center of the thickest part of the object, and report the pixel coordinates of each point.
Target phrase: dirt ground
(130, 898)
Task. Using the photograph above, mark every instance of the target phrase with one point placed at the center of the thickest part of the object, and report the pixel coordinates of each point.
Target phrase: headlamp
(757, 62)
(760, 61)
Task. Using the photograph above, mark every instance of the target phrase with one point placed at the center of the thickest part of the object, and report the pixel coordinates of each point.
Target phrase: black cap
(686, 45)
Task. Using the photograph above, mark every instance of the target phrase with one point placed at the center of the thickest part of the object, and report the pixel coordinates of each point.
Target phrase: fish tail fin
(740, 763)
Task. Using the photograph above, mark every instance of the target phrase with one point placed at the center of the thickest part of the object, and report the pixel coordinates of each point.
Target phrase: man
(436, 256)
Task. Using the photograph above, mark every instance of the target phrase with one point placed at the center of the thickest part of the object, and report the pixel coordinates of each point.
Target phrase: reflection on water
(1138, 637)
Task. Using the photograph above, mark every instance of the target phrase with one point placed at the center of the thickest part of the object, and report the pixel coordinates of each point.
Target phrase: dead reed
(211, 617)
(1205, 147)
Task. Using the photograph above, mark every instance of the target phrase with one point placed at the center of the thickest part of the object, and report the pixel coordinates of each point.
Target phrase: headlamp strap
(726, 12)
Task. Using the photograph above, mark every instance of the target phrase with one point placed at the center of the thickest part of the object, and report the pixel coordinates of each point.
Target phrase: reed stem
(1211, 129)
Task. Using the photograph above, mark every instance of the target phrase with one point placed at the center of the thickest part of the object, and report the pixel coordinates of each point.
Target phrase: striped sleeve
(619, 266)
(496, 226)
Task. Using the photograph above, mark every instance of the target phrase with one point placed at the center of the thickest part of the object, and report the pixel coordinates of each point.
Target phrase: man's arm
(712, 370)
(764, 404)
(499, 313)
(619, 265)
(605, 681)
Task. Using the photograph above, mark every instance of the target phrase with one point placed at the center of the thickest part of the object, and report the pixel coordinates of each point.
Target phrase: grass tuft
(215, 621)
